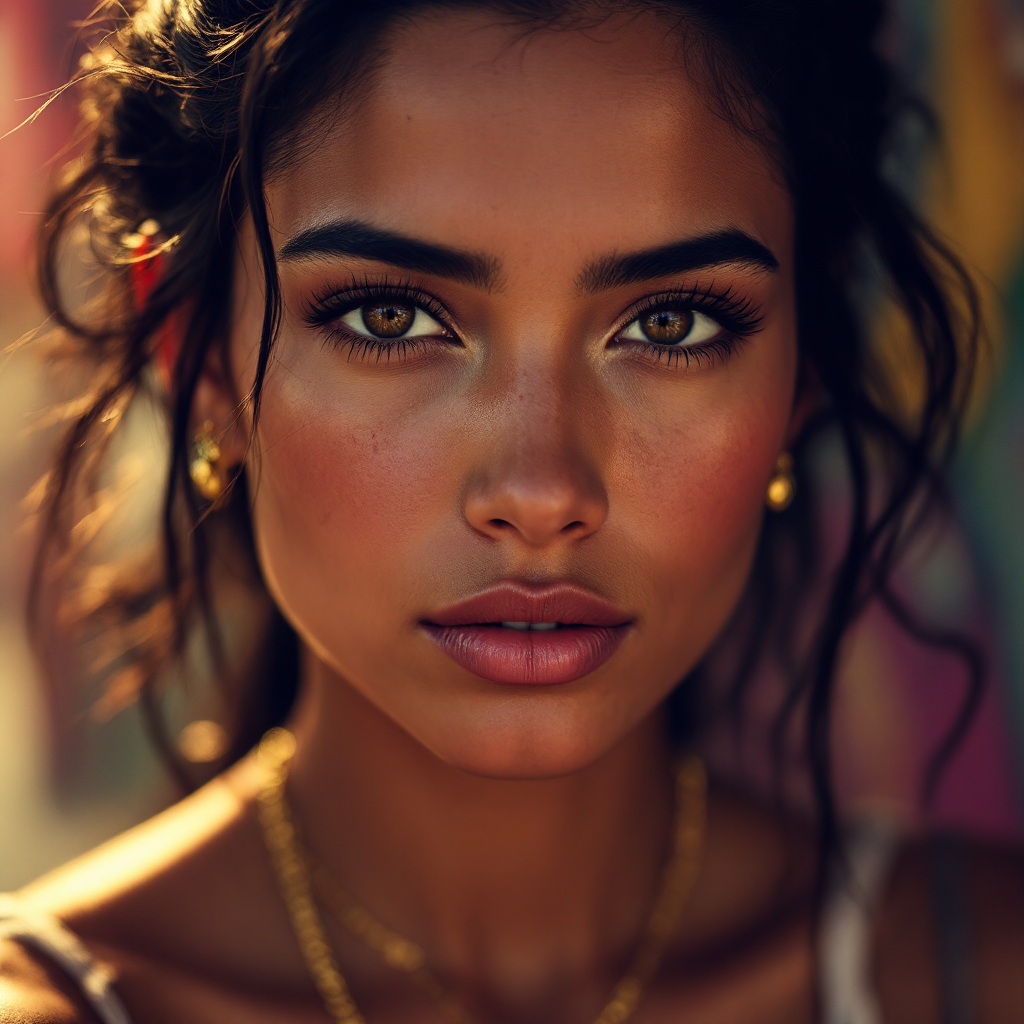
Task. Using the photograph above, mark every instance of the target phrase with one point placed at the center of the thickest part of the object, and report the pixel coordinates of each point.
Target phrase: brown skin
(516, 832)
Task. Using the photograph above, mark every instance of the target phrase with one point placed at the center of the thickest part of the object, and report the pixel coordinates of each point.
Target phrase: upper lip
(566, 603)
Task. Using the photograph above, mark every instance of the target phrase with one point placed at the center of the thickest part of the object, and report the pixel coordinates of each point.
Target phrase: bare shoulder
(34, 991)
(182, 911)
(108, 897)
(155, 852)
(952, 922)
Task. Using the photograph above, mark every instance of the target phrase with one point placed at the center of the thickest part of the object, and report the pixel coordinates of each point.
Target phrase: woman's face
(538, 355)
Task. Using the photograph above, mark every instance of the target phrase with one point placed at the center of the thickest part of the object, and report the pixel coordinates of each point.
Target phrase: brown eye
(388, 319)
(667, 326)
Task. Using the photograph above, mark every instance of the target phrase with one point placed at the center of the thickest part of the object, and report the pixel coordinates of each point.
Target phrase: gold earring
(205, 469)
(782, 486)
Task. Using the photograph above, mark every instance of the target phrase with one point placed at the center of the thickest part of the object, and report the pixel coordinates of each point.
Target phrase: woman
(496, 326)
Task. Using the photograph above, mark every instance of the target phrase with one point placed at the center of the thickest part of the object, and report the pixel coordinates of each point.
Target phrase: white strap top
(53, 940)
(845, 987)
(846, 992)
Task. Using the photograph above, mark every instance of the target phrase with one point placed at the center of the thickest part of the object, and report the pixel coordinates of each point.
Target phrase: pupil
(388, 319)
(667, 326)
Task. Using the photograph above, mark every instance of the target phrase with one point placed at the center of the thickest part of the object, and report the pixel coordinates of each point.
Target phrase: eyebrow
(714, 250)
(364, 241)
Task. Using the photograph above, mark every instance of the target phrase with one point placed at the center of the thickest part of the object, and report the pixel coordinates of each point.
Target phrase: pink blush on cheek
(344, 486)
(339, 509)
(699, 520)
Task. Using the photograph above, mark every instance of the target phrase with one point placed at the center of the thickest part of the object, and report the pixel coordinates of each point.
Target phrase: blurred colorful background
(68, 779)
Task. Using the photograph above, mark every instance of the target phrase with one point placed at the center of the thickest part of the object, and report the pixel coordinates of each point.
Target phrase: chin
(526, 743)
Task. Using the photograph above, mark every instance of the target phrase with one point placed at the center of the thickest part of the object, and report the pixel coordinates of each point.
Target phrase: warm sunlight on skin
(530, 431)
(536, 364)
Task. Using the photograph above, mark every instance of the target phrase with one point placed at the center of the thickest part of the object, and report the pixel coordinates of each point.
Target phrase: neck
(554, 876)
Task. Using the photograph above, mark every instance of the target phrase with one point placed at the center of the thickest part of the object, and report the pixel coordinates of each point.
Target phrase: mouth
(518, 634)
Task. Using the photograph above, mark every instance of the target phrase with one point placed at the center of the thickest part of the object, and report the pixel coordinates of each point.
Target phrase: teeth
(538, 626)
(544, 625)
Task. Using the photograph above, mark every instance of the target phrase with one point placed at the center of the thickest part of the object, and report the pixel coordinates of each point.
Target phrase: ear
(805, 400)
(215, 401)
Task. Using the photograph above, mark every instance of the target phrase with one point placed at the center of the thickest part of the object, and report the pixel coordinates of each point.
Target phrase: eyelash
(323, 311)
(738, 318)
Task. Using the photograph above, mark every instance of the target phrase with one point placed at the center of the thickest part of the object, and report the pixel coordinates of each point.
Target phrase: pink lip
(470, 633)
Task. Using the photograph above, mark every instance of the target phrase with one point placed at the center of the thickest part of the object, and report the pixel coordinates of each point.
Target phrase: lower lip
(528, 657)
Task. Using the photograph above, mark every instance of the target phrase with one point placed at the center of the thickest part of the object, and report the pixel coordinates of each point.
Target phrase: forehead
(487, 135)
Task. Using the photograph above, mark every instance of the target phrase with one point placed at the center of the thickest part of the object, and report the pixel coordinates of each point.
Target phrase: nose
(537, 484)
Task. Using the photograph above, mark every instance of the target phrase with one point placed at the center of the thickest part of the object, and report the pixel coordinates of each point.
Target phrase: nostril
(500, 524)
(575, 524)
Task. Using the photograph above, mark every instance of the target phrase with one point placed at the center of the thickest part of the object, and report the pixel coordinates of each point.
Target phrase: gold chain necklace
(298, 880)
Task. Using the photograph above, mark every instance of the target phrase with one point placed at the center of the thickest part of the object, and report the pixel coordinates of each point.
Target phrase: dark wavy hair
(189, 105)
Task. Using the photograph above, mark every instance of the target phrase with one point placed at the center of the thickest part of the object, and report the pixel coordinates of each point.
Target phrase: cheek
(695, 492)
(346, 492)
(702, 516)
